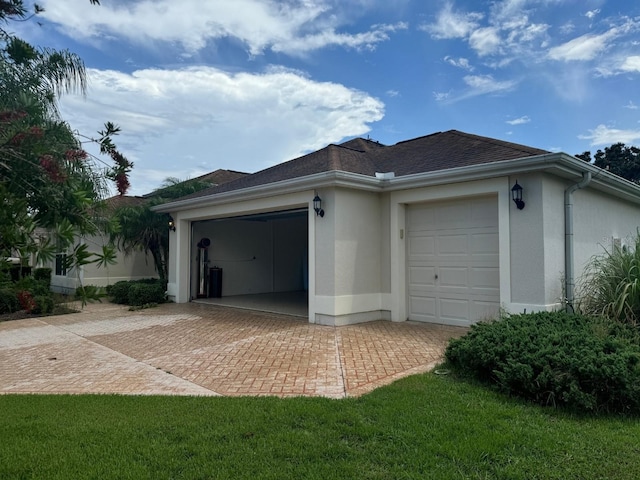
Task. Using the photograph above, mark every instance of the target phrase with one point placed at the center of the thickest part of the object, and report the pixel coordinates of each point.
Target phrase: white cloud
(243, 121)
(292, 27)
(591, 14)
(631, 106)
(631, 64)
(481, 84)
(589, 46)
(603, 135)
(485, 41)
(441, 96)
(585, 47)
(393, 93)
(519, 121)
(450, 24)
(459, 62)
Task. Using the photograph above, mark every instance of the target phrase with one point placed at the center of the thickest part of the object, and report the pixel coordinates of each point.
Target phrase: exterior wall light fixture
(172, 224)
(516, 195)
(317, 206)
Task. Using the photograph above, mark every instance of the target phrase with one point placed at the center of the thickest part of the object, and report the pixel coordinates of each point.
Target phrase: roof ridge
(494, 141)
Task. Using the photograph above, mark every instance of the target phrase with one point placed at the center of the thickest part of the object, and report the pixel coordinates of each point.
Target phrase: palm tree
(142, 229)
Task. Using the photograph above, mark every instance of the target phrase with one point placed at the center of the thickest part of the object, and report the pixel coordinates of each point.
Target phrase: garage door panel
(484, 243)
(422, 276)
(486, 279)
(454, 310)
(484, 310)
(453, 245)
(422, 246)
(453, 277)
(453, 261)
(422, 308)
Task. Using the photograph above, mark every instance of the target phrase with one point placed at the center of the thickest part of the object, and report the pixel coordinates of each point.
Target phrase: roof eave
(560, 164)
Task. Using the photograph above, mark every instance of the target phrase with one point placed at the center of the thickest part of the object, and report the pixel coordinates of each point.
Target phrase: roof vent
(385, 175)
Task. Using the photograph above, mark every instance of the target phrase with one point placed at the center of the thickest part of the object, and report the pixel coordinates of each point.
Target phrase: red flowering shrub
(26, 300)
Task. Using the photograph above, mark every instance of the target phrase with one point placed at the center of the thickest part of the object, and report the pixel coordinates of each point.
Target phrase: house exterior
(424, 230)
(131, 266)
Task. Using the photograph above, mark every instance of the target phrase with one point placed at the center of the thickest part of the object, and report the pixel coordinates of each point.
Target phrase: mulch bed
(22, 314)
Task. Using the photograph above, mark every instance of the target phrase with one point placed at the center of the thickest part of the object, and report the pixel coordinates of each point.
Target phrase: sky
(246, 84)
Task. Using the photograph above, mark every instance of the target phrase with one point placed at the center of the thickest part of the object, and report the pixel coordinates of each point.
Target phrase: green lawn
(424, 426)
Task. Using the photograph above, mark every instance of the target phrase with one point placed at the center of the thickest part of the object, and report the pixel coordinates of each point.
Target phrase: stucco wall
(598, 218)
(134, 266)
(526, 228)
(538, 237)
(358, 238)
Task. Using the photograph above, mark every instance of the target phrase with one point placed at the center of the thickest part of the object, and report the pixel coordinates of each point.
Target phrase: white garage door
(453, 261)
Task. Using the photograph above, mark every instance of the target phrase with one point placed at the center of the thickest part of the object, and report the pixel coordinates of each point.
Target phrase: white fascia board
(560, 164)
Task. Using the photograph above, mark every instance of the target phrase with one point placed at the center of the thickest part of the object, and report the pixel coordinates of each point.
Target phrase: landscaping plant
(554, 358)
(611, 284)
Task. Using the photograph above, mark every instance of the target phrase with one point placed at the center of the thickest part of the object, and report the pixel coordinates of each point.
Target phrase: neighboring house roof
(119, 201)
(217, 177)
(439, 151)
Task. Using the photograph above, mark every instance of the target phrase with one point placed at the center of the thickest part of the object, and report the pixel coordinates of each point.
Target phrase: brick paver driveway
(191, 349)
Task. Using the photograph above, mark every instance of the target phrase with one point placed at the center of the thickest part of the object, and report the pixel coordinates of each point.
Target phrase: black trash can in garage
(215, 282)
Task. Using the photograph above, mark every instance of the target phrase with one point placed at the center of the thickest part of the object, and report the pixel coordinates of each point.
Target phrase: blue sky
(245, 84)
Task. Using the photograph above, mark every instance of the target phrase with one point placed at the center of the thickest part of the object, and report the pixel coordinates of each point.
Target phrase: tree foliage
(142, 229)
(48, 182)
(618, 159)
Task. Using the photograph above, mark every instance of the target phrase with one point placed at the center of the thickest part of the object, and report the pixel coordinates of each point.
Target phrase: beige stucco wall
(598, 218)
(538, 237)
(527, 234)
(349, 249)
(134, 266)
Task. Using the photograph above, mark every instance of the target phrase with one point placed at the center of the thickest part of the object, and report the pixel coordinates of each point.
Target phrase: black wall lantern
(317, 206)
(516, 195)
(172, 225)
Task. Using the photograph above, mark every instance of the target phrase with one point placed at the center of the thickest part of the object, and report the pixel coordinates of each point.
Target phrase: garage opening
(453, 261)
(259, 262)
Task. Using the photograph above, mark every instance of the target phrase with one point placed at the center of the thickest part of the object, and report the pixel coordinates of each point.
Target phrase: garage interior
(257, 262)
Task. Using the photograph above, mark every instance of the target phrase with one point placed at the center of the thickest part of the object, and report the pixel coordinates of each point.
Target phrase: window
(61, 264)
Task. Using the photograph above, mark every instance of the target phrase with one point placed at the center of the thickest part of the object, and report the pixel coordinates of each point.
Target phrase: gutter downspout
(568, 239)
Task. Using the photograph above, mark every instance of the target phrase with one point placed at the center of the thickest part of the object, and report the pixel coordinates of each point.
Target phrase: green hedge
(145, 293)
(8, 301)
(583, 363)
(137, 292)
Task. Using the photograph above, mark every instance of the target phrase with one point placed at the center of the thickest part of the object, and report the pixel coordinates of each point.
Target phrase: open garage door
(453, 261)
(255, 254)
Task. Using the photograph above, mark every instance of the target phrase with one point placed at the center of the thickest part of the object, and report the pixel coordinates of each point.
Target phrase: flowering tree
(48, 182)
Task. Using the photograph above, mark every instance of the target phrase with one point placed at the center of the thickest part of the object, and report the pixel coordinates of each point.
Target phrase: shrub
(583, 363)
(43, 304)
(8, 301)
(26, 301)
(119, 292)
(146, 290)
(144, 293)
(43, 275)
(36, 287)
(89, 293)
(611, 284)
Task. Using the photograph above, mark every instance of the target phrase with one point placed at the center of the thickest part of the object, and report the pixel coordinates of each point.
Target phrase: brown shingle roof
(438, 151)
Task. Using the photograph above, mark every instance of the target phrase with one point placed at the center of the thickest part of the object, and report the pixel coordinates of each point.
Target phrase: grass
(425, 426)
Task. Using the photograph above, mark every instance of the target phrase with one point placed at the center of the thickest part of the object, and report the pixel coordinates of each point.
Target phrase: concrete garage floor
(198, 349)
